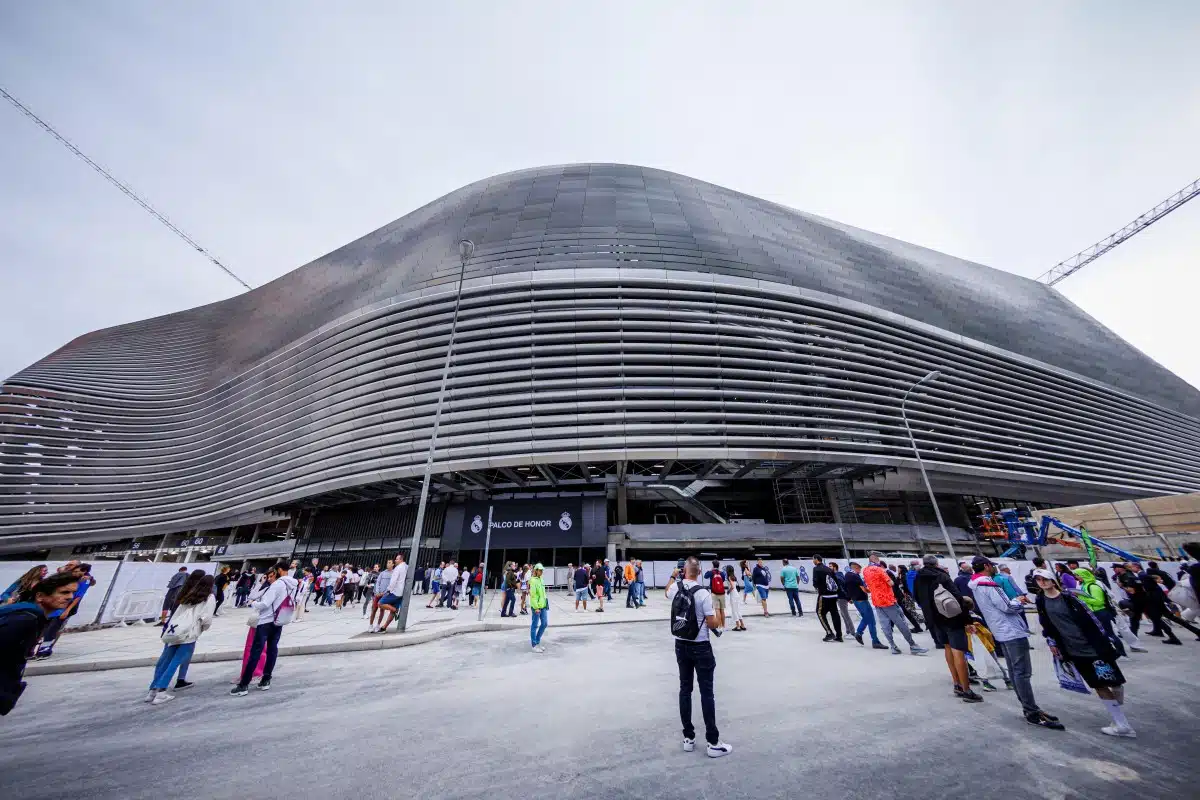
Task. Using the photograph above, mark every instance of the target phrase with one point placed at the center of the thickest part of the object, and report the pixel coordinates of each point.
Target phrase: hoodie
(537, 593)
(824, 582)
(268, 602)
(1003, 615)
(928, 580)
(1090, 592)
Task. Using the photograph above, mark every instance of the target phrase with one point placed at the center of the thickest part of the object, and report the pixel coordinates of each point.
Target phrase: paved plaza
(479, 715)
(323, 629)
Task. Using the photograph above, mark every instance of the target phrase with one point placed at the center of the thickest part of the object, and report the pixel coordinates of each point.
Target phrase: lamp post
(466, 249)
(932, 376)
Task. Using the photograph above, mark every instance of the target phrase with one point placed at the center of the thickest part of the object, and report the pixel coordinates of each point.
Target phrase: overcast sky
(1010, 134)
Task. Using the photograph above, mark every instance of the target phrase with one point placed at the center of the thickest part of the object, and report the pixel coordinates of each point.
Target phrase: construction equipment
(123, 188)
(1024, 532)
(1086, 256)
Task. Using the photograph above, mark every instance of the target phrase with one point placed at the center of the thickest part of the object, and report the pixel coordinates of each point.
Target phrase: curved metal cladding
(609, 312)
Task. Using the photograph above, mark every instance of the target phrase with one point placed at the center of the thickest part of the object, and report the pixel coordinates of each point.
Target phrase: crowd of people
(977, 617)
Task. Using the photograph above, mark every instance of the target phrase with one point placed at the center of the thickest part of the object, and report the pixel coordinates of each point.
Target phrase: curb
(354, 645)
(383, 642)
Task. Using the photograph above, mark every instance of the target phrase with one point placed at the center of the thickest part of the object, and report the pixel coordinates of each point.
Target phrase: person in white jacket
(192, 616)
(271, 603)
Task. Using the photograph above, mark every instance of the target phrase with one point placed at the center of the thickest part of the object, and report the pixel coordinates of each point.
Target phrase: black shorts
(955, 638)
(1098, 672)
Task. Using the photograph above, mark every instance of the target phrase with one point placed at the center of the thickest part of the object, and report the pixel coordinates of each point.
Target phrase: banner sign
(547, 522)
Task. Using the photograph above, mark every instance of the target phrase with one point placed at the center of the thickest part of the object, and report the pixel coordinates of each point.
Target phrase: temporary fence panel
(132, 576)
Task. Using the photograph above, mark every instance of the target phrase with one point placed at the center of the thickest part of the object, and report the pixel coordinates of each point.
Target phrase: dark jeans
(1020, 669)
(239, 598)
(697, 658)
(793, 596)
(1136, 609)
(220, 595)
(510, 603)
(265, 635)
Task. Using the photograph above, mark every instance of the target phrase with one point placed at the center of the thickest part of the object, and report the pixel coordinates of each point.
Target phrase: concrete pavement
(596, 715)
(323, 629)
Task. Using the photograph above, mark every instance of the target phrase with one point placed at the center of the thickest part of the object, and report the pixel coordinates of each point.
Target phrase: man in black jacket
(948, 631)
(22, 624)
(827, 594)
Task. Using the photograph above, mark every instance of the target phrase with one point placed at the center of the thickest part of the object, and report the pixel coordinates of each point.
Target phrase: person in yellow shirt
(539, 605)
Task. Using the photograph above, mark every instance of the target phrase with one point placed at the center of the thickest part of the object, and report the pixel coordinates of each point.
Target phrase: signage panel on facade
(544, 522)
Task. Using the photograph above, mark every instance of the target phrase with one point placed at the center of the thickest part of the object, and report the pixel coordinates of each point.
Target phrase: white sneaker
(149, 698)
(719, 749)
(539, 649)
(162, 697)
(689, 745)
(1113, 730)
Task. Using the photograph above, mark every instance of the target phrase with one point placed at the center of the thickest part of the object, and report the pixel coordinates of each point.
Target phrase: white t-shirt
(354, 577)
(704, 607)
(399, 574)
(449, 575)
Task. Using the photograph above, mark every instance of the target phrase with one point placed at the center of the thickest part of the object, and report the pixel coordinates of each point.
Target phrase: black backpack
(684, 624)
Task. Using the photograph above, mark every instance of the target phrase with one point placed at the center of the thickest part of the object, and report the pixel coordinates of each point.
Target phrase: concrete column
(257, 530)
(833, 502)
(232, 535)
(611, 552)
(622, 504)
(911, 519)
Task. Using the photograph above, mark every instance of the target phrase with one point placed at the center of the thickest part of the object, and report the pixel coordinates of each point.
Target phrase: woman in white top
(192, 616)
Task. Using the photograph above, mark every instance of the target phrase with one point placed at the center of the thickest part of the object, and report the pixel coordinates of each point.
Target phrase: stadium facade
(642, 360)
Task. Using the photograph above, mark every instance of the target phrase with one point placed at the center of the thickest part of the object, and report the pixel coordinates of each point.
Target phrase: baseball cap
(539, 566)
(979, 562)
(1045, 573)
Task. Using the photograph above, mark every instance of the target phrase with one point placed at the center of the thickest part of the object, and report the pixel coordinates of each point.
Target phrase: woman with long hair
(220, 581)
(735, 602)
(23, 584)
(192, 616)
(747, 582)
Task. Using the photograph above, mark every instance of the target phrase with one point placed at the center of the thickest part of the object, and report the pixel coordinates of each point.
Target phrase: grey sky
(275, 132)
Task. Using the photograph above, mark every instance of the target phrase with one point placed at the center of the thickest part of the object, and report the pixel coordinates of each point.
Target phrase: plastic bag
(1068, 677)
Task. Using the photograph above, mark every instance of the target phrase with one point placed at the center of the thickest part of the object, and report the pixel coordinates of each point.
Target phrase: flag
(1087, 544)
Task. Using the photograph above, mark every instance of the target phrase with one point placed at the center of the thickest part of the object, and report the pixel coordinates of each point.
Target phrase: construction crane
(124, 189)
(1084, 257)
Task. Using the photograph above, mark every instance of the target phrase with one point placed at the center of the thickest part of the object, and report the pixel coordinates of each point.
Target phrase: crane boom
(132, 195)
(1081, 259)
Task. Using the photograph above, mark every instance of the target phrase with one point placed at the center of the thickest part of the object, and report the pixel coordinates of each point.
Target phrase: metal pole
(487, 545)
(465, 248)
(932, 376)
(107, 594)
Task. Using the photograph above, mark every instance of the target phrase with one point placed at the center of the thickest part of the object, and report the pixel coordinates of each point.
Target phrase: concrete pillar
(232, 535)
(911, 519)
(622, 504)
(833, 502)
(611, 552)
(257, 530)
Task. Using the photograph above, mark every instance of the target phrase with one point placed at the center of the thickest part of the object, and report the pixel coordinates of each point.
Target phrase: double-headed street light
(466, 248)
(932, 376)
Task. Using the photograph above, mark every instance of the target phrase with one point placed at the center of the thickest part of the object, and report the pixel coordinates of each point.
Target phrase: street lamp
(466, 248)
(931, 377)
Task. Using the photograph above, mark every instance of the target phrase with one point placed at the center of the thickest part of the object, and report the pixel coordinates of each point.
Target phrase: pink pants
(262, 659)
